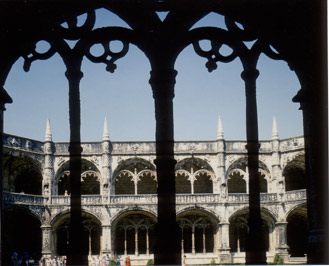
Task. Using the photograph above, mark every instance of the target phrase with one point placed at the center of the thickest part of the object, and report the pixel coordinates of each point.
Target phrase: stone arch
(198, 230)
(90, 178)
(90, 238)
(133, 233)
(238, 229)
(21, 233)
(194, 175)
(297, 231)
(22, 174)
(295, 174)
(237, 176)
(134, 176)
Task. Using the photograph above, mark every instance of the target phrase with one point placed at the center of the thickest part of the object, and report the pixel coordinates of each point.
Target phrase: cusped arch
(128, 211)
(295, 173)
(134, 176)
(194, 175)
(22, 173)
(90, 178)
(237, 176)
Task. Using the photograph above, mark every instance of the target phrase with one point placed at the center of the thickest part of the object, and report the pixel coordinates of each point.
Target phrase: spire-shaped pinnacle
(106, 136)
(48, 131)
(275, 133)
(220, 132)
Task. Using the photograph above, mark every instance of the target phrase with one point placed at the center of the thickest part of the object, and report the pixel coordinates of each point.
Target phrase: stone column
(46, 240)
(281, 233)
(222, 185)
(224, 250)
(167, 250)
(48, 176)
(106, 163)
(193, 239)
(276, 166)
(255, 251)
(106, 239)
(136, 242)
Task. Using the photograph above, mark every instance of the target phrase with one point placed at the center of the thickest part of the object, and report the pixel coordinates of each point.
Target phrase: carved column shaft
(106, 239)
(167, 249)
(224, 250)
(76, 256)
(255, 253)
(46, 240)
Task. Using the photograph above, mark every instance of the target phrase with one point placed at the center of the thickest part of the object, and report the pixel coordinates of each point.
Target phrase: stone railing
(85, 200)
(295, 195)
(22, 199)
(26, 199)
(134, 199)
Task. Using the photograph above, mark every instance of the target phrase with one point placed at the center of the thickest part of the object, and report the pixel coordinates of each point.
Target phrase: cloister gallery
(221, 200)
(119, 203)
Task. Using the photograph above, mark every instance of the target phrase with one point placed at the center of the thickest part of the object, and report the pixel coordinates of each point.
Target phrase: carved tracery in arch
(135, 176)
(22, 175)
(90, 179)
(194, 175)
(238, 177)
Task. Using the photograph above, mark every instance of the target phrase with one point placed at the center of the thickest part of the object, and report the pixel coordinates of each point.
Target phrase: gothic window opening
(295, 174)
(21, 233)
(197, 233)
(239, 230)
(203, 184)
(22, 175)
(297, 232)
(90, 237)
(90, 179)
(236, 184)
(135, 176)
(134, 235)
(183, 185)
(194, 175)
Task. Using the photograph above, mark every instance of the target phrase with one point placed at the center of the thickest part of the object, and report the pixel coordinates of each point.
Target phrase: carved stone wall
(215, 158)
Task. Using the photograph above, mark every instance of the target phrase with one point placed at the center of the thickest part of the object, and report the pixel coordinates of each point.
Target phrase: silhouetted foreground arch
(299, 41)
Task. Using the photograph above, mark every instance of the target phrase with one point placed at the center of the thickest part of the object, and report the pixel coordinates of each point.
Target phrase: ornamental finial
(48, 131)
(106, 136)
(275, 133)
(220, 132)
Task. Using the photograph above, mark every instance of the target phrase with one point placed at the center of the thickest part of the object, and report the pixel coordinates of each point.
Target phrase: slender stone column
(193, 240)
(106, 162)
(106, 239)
(224, 251)
(281, 228)
(76, 256)
(147, 242)
(255, 252)
(167, 250)
(221, 161)
(315, 118)
(136, 242)
(46, 240)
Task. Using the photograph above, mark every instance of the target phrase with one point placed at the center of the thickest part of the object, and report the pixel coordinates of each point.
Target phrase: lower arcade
(119, 200)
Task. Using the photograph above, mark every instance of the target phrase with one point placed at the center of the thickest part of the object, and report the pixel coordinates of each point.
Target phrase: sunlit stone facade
(119, 198)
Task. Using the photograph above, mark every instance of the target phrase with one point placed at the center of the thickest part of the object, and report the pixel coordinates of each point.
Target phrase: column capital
(249, 74)
(162, 82)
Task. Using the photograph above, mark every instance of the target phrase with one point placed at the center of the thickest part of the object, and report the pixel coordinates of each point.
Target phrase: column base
(284, 254)
(225, 255)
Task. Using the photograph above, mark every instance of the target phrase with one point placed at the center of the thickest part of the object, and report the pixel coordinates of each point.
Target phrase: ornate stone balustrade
(295, 195)
(23, 199)
(133, 199)
(17, 198)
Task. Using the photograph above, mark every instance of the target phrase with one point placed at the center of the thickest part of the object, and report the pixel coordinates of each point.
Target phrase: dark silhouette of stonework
(294, 28)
